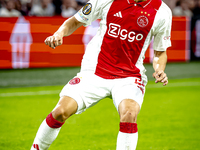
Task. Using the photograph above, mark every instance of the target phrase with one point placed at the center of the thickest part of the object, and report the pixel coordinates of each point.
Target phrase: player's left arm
(162, 41)
(159, 64)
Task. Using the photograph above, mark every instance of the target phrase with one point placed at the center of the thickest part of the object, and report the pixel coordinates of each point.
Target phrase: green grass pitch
(169, 118)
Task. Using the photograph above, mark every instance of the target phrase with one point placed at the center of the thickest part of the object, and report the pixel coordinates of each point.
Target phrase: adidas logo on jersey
(119, 14)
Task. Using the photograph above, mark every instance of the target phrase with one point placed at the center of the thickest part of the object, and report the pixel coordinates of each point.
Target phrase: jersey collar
(155, 3)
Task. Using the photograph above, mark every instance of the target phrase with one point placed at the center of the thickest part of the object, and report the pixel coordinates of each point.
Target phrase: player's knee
(128, 116)
(128, 110)
(60, 114)
(64, 109)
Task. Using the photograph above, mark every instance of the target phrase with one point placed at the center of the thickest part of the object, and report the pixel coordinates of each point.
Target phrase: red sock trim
(127, 127)
(36, 146)
(53, 123)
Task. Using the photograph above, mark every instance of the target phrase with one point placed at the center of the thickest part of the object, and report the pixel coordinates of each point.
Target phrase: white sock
(127, 136)
(127, 141)
(46, 134)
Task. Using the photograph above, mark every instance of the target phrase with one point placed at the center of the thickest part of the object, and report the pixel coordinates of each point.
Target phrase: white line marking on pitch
(180, 84)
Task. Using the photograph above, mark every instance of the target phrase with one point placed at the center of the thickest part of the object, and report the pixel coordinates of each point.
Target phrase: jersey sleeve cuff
(164, 48)
(81, 18)
(160, 49)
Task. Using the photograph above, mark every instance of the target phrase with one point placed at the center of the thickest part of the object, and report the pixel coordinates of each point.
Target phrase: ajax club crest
(142, 21)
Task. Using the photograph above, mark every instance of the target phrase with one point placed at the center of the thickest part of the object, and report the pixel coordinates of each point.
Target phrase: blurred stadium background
(32, 75)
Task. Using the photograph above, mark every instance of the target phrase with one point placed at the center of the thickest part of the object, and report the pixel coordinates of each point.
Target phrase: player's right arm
(85, 16)
(66, 29)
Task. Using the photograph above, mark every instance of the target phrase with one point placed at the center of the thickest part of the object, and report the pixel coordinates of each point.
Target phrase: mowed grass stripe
(29, 93)
(50, 92)
(180, 84)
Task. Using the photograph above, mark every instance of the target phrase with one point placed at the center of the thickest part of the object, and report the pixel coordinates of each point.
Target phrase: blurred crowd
(184, 7)
(15, 8)
(67, 8)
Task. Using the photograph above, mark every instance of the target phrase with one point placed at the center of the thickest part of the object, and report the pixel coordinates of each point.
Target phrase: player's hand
(160, 76)
(54, 41)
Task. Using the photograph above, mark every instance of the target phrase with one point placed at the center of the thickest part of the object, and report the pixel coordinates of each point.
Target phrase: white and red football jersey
(126, 30)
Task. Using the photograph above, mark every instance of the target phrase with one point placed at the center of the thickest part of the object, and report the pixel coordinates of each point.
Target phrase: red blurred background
(22, 43)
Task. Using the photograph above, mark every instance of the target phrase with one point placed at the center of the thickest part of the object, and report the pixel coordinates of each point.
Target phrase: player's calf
(50, 127)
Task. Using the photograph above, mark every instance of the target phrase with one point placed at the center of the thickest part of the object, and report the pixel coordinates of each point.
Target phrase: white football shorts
(87, 89)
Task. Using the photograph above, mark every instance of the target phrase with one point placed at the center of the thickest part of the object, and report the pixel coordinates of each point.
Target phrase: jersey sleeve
(162, 37)
(88, 13)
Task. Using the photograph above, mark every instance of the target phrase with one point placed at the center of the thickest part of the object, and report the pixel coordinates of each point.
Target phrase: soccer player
(112, 64)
